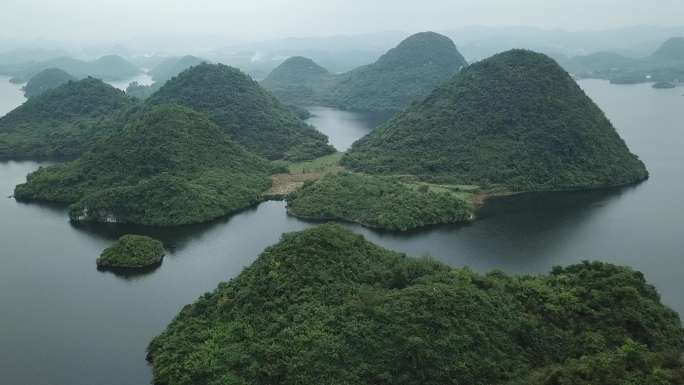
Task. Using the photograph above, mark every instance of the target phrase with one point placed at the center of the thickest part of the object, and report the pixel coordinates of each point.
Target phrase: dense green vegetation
(142, 91)
(169, 166)
(110, 67)
(378, 202)
(403, 75)
(132, 252)
(298, 80)
(249, 113)
(63, 122)
(630, 364)
(172, 66)
(516, 120)
(46, 80)
(326, 306)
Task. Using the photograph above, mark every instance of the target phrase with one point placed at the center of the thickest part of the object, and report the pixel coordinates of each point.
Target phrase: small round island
(132, 252)
(664, 85)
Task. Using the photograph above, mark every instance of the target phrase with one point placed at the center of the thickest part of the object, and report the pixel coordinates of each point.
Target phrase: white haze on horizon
(242, 21)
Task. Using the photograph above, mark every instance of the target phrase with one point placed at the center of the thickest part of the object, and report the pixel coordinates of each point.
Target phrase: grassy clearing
(320, 165)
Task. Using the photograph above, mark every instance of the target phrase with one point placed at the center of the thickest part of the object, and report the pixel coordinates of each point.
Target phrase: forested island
(132, 252)
(45, 81)
(298, 80)
(379, 202)
(405, 74)
(664, 85)
(64, 122)
(246, 111)
(326, 304)
(516, 121)
(169, 166)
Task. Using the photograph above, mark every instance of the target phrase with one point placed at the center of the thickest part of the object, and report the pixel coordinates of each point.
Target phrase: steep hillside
(63, 122)
(170, 166)
(404, 74)
(298, 80)
(516, 120)
(249, 113)
(46, 80)
(326, 306)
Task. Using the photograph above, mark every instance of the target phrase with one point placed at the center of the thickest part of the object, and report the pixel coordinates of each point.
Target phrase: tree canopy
(132, 252)
(515, 120)
(169, 166)
(63, 122)
(405, 74)
(249, 113)
(379, 202)
(326, 306)
(46, 80)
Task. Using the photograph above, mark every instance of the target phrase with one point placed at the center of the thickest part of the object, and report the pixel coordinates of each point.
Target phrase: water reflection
(174, 238)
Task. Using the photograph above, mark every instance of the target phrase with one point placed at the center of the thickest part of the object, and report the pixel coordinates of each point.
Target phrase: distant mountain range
(109, 68)
(404, 74)
(665, 64)
(343, 53)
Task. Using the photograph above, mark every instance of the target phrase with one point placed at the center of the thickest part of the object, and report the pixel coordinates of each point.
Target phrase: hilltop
(46, 80)
(250, 114)
(671, 49)
(327, 304)
(404, 74)
(298, 80)
(171, 67)
(63, 122)
(169, 166)
(516, 120)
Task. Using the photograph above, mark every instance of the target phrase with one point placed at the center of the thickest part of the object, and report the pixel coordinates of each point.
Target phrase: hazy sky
(262, 19)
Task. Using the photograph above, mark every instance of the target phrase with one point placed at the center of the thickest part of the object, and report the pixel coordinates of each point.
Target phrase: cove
(65, 322)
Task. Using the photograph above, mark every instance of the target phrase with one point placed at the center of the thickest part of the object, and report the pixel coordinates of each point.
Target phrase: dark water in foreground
(64, 322)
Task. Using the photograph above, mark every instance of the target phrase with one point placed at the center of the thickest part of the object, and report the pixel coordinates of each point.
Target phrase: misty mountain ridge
(402, 75)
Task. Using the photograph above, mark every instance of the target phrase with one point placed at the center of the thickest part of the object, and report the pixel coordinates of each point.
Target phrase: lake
(11, 95)
(64, 322)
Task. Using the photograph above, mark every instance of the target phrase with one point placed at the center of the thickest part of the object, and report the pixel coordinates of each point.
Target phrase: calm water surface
(11, 95)
(63, 322)
(342, 127)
